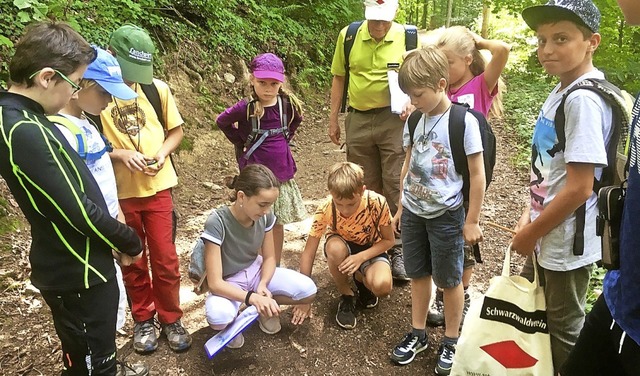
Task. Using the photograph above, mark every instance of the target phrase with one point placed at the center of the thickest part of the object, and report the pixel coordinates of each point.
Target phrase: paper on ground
(217, 342)
(398, 97)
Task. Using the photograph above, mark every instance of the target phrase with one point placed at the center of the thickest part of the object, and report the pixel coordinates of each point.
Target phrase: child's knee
(381, 287)
(336, 250)
(219, 319)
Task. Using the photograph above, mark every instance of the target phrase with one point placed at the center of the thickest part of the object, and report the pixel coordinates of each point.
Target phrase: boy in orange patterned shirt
(360, 233)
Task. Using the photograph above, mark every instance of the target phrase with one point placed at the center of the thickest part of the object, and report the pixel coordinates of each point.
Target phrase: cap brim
(540, 14)
(142, 74)
(118, 89)
(380, 13)
(269, 75)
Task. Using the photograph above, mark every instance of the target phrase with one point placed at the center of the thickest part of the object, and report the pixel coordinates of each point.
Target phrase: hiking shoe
(445, 358)
(178, 337)
(365, 297)
(397, 264)
(346, 315)
(126, 369)
(465, 308)
(269, 325)
(237, 342)
(145, 339)
(406, 350)
(435, 316)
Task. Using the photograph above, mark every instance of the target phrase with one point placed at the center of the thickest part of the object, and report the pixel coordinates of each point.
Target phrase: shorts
(285, 282)
(354, 248)
(434, 247)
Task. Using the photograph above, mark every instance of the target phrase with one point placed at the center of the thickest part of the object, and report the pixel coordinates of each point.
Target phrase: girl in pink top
(471, 79)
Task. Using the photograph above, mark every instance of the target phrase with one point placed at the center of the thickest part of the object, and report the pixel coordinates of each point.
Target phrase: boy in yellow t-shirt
(360, 234)
(142, 141)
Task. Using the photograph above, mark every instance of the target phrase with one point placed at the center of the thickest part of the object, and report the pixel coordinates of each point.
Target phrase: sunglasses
(76, 87)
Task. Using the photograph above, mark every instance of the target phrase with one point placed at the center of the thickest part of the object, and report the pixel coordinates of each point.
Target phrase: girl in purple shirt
(260, 127)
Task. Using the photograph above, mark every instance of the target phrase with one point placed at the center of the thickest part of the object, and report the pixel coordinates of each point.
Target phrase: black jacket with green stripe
(71, 229)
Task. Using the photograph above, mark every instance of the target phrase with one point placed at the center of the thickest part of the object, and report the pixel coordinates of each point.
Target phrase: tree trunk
(484, 31)
(449, 9)
(425, 7)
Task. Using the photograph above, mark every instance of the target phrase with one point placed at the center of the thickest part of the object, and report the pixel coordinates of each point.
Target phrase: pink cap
(267, 66)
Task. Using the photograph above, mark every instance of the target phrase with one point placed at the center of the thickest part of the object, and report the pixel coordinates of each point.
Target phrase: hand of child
(395, 222)
(472, 233)
(523, 242)
(265, 305)
(350, 265)
(135, 161)
(300, 313)
(124, 259)
(263, 290)
(407, 109)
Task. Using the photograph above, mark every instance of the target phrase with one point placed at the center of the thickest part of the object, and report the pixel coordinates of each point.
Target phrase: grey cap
(582, 12)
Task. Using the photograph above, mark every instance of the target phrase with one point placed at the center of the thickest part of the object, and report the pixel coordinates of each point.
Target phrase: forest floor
(29, 345)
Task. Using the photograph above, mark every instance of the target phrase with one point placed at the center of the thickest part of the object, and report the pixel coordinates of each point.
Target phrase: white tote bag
(506, 332)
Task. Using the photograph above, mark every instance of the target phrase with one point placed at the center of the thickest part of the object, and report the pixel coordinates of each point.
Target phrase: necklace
(426, 136)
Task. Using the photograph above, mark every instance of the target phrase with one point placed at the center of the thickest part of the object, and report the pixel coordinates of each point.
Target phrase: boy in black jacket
(74, 237)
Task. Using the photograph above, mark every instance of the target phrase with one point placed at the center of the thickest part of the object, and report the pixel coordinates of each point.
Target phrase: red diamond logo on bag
(509, 354)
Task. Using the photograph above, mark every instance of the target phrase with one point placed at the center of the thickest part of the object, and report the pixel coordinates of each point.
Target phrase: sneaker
(237, 342)
(346, 315)
(445, 359)
(145, 339)
(435, 316)
(365, 297)
(178, 337)
(406, 350)
(397, 264)
(269, 325)
(465, 308)
(126, 369)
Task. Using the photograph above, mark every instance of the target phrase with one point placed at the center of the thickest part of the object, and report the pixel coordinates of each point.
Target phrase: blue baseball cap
(105, 71)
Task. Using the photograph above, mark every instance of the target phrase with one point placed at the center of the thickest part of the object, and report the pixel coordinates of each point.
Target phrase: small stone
(229, 78)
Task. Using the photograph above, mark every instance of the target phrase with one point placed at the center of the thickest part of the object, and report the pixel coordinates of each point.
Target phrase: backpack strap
(259, 135)
(376, 221)
(410, 37)
(619, 123)
(334, 223)
(349, 38)
(78, 134)
(457, 127)
(153, 96)
(412, 123)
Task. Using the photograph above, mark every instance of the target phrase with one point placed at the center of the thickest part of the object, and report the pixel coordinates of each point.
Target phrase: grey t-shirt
(239, 245)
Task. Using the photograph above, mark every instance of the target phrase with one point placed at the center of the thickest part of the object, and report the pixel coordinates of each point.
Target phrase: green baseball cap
(134, 50)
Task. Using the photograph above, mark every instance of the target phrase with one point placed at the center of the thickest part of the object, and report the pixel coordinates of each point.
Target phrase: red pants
(152, 218)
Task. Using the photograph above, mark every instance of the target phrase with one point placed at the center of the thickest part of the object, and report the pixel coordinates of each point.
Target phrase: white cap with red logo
(380, 10)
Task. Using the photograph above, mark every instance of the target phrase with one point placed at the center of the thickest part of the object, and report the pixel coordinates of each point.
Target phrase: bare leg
(420, 296)
(453, 302)
(278, 241)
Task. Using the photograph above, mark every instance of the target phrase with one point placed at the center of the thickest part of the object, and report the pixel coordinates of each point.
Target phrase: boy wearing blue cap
(562, 178)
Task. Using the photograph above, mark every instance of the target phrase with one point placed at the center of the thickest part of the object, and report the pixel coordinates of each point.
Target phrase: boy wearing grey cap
(562, 180)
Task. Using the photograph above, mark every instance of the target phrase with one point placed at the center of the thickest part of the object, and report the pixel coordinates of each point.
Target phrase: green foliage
(595, 287)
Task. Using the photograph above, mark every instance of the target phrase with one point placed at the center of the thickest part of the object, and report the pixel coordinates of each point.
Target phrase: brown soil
(29, 345)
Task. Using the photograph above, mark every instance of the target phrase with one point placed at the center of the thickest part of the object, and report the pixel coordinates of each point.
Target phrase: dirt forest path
(29, 345)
